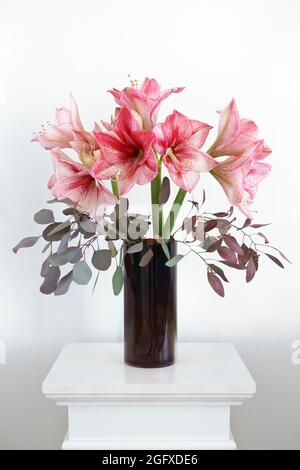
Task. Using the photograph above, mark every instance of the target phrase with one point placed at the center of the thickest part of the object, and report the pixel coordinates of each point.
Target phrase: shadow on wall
(275, 367)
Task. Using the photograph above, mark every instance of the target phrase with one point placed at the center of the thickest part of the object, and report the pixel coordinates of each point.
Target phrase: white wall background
(217, 49)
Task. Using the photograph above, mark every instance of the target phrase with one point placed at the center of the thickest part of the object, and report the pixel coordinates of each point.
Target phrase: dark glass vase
(150, 308)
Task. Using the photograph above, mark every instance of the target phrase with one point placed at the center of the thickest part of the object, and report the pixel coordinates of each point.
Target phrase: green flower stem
(115, 190)
(157, 211)
(169, 225)
(115, 187)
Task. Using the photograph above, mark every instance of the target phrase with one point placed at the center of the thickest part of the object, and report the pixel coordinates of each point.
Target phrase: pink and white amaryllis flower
(68, 132)
(235, 134)
(86, 146)
(126, 153)
(179, 141)
(144, 101)
(61, 134)
(240, 177)
(242, 171)
(76, 182)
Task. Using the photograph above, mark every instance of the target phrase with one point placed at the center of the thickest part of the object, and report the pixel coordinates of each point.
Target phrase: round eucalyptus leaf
(82, 273)
(58, 259)
(48, 234)
(71, 255)
(74, 254)
(63, 246)
(45, 267)
(101, 259)
(60, 227)
(70, 211)
(89, 226)
(50, 282)
(64, 284)
(44, 217)
(164, 192)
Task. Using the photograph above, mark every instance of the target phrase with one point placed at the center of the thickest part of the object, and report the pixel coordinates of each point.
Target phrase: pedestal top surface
(98, 368)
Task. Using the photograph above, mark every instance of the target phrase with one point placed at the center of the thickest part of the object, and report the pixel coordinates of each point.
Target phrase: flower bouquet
(98, 228)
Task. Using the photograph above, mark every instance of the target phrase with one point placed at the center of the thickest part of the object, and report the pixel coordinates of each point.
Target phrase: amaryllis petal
(180, 127)
(229, 127)
(249, 155)
(112, 148)
(151, 88)
(64, 165)
(145, 100)
(264, 152)
(51, 182)
(102, 169)
(235, 135)
(248, 126)
(232, 184)
(68, 132)
(240, 177)
(200, 133)
(144, 174)
(241, 172)
(161, 140)
(116, 94)
(176, 129)
(125, 125)
(74, 181)
(258, 171)
(179, 140)
(54, 136)
(60, 134)
(187, 180)
(75, 118)
(164, 95)
(195, 159)
(125, 185)
(62, 116)
(126, 152)
(145, 140)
